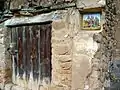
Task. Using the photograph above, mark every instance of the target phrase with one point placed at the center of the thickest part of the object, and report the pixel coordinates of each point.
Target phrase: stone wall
(77, 55)
(15, 4)
(112, 27)
(61, 54)
(73, 54)
(5, 62)
(78, 47)
(80, 3)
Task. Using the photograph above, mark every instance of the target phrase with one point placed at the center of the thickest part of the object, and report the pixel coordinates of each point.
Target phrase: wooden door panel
(33, 44)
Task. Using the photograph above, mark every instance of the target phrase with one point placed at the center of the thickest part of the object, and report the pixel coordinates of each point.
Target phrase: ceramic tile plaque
(91, 21)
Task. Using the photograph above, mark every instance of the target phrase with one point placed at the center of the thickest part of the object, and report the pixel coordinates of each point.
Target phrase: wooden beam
(29, 24)
(1, 21)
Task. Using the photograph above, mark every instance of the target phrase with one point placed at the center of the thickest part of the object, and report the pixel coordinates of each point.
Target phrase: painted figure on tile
(91, 21)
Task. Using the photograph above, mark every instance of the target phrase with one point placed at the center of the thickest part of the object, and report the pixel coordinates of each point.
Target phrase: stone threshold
(11, 86)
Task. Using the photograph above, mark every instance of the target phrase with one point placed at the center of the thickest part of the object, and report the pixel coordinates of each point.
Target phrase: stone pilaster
(5, 62)
(61, 55)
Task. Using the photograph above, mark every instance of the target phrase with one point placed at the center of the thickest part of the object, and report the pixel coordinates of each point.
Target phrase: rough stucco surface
(84, 62)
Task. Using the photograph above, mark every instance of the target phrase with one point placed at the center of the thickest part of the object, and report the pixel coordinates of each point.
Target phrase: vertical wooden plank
(50, 50)
(24, 53)
(47, 60)
(16, 50)
(34, 51)
(30, 82)
(48, 46)
(39, 59)
(31, 65)
(14, 39)
(20, 50)
(45, 52)
(13, 57)
(36, 28)
(27, 31)
(42, 50)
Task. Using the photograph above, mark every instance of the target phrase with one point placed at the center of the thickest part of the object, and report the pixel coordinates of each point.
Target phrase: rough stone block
(61, 58)
(62, 50)
(66, 66)
(66, 58)
(63, 36)
(9, 86)
(58, 25)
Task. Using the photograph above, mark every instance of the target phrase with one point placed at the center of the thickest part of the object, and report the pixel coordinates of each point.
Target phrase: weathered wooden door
(31, 54)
